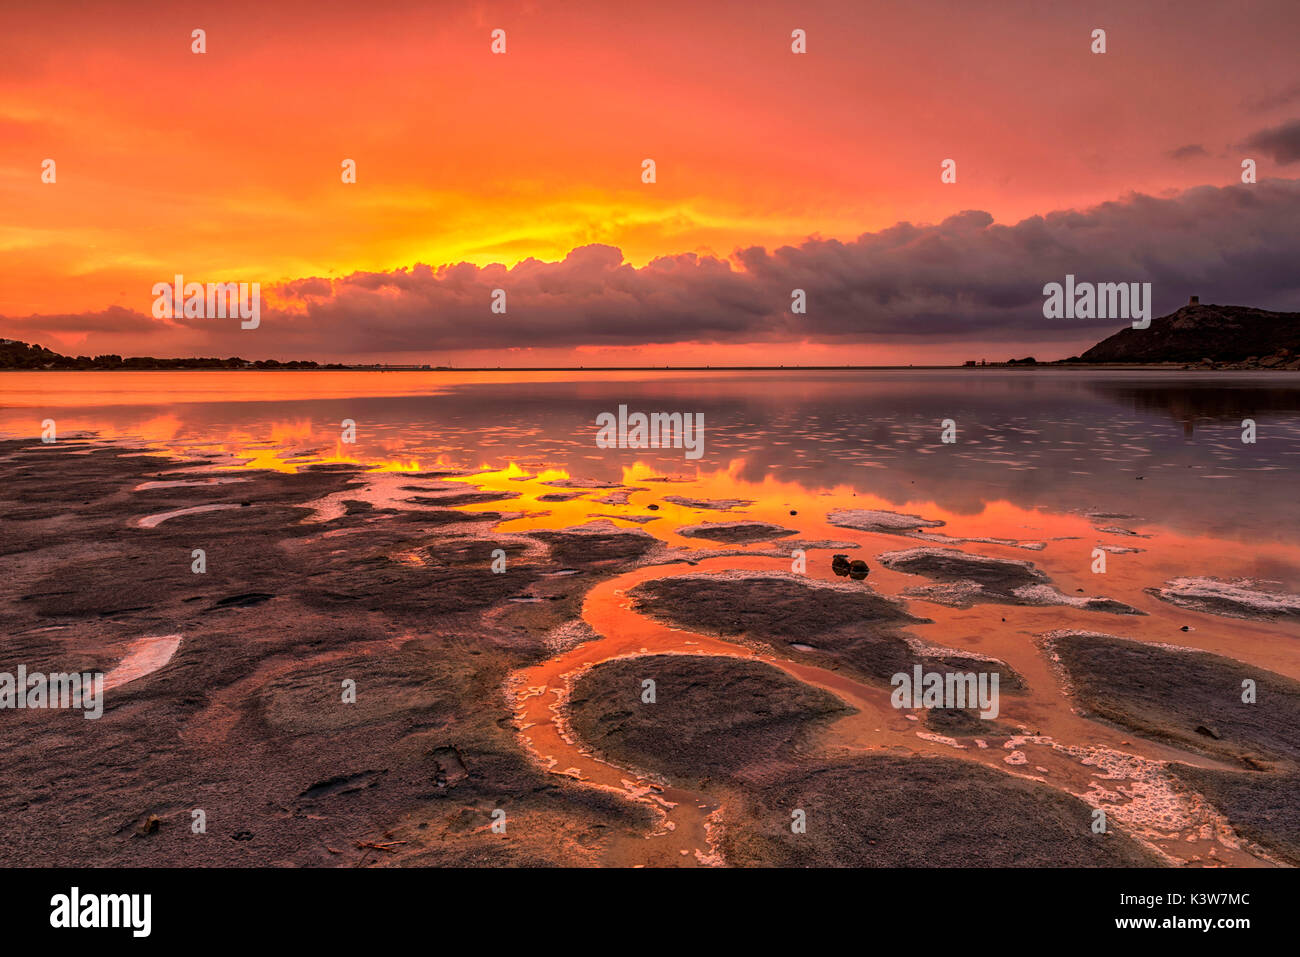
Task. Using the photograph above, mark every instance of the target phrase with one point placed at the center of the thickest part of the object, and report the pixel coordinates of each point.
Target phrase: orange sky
(226, 165)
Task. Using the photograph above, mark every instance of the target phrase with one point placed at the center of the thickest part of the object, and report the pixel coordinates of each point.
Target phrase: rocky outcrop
(1208, 335)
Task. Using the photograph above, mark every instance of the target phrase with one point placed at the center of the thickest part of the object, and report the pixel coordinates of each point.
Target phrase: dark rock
(1202, 333)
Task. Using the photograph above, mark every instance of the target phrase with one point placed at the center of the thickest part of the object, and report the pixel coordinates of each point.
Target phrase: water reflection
(1166, 447)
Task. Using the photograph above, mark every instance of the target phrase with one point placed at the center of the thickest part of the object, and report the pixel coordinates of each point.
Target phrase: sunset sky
(774, 171)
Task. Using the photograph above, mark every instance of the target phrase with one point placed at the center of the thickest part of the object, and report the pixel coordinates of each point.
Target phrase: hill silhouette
(1220, 334)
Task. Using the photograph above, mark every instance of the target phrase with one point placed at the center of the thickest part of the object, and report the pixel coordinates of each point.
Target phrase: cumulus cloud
(964, 278)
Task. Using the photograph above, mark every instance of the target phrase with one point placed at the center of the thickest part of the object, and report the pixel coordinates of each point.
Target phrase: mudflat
(247, 721)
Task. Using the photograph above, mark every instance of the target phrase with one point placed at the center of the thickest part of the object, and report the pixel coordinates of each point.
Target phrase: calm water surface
(1165, 446)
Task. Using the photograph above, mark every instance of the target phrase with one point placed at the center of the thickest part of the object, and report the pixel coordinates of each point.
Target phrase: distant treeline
(19, 355)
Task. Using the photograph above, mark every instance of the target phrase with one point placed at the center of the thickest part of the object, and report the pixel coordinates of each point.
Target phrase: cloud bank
(966, 278)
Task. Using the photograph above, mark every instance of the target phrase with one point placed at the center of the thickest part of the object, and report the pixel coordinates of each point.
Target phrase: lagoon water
(1164, 445)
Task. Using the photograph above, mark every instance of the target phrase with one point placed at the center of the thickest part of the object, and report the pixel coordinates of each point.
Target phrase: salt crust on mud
(153, 521)
(715, 504)
(1146, 798)
(144, 657)
(1219, 597)
(1116, 530)
(941, 739)
(952, 553)
(190, 483)
(582, 483)
(725, 531)
(600, 526)
(875, 520)
(871, 520)
(1154, 802)
(620, 496)
(961, 591)
(781, 550)
(1049, 595)
(1032, 546)
(381, 489)
(569, 635)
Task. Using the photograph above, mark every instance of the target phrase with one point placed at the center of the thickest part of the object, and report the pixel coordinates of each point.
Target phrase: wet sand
(481, 692)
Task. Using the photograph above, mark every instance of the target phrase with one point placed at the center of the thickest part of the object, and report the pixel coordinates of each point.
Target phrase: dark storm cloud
(1189, 151)
(113, 320)
(965, 277)
(1281, 143)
